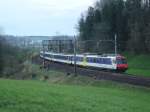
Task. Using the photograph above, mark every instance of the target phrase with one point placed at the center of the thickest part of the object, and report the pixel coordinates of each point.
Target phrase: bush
(12, 58)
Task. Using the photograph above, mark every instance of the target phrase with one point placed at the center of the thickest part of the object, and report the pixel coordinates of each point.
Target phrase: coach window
(98, 60)
(91, 60)
(94, 60)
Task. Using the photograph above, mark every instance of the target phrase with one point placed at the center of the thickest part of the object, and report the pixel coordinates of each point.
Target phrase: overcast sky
(41, 17)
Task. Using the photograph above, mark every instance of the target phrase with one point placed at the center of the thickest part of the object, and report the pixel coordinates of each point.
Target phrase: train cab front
(122, 65)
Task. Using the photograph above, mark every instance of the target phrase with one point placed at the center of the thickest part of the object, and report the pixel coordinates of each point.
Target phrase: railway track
(100, 75)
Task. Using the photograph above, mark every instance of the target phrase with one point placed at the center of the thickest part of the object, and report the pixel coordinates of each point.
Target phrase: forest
(129, 20)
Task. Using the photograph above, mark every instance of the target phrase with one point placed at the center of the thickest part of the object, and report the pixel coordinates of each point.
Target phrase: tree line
(129, 20)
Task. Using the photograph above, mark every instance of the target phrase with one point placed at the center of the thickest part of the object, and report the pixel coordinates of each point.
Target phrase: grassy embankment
(62, 93)
(139, 65)
(36, 96)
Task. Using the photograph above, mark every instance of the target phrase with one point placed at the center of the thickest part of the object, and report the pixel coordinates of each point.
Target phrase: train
(111, 62)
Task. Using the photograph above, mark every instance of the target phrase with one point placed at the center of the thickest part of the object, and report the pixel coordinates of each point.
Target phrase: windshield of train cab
(121, 61)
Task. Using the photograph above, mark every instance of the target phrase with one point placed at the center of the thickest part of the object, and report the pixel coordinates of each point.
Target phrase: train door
(84, 60)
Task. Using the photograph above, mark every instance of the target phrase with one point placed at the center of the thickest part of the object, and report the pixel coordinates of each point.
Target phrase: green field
(39, 96)
(139, 64)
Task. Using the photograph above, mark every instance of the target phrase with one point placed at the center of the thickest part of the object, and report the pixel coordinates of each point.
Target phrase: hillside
(139, 64)
(35, 96)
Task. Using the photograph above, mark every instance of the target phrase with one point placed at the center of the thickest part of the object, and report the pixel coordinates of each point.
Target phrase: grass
(39, 96)
(139, 72)
(62, 93)
(139, 64)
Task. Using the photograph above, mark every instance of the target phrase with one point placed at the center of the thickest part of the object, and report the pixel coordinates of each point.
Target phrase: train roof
(87, 54)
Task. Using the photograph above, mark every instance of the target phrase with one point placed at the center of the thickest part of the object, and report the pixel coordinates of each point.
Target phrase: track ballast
(96, 74)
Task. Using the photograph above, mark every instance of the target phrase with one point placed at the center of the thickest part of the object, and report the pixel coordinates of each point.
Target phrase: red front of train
(121, 63)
